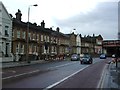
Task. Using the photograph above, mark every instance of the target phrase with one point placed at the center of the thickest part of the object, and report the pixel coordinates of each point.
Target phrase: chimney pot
(43, 24)
(58, 29)
(18, 15)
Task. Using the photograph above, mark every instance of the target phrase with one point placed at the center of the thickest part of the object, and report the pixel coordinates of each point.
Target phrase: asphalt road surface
(59, 74)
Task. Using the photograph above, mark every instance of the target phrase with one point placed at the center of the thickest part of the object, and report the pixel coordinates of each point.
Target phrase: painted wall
(5, 31)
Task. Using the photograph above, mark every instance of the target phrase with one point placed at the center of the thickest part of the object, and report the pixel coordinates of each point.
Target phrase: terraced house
(92, 44)
(75, 43)
(44, 43)
(48, 44)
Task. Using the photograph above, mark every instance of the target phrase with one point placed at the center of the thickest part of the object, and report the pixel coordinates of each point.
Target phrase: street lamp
(72, 30)
(28, 32)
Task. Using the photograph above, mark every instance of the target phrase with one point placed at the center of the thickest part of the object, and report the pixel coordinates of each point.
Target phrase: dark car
(86, 59)
(75, 57)
(103, 56)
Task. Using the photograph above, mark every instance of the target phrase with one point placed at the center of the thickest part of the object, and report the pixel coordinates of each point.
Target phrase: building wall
(98, 46)
(57, 43)
(19, 46)
(39, 38)
(85, 47)
(92, 44)
(73, 43)
(5, 31)
(78, 44)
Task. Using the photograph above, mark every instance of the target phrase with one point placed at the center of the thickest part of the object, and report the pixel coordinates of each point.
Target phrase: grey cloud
(102, 20)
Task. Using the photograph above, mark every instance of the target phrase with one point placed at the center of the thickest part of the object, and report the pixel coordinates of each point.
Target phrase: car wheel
(91, 62)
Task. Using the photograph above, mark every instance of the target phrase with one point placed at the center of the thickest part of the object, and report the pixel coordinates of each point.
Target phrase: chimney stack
(43, 24)
(58, 29)
(18, 15)
(80, 35)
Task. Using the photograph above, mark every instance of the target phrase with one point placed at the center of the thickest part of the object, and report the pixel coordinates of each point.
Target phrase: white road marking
(62, 65)
(8, 71)
(14, 71)
(34, 71)
(50, 86)
(101, 81)
(20, 74)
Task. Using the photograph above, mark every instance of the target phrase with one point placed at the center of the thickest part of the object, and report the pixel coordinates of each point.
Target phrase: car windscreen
(102, 55)
(86, 56)
(74, 55)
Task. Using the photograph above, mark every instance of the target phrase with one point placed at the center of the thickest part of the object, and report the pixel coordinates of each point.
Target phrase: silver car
(75, 57)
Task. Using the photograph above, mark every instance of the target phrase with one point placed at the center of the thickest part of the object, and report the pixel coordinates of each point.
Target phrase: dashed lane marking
(2, 72)
(101, 81)
(50, 86)
(20, 75)
(62, 65)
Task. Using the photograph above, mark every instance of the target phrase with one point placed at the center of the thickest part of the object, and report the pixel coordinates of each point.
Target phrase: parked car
(75, 57)
(103, 56)
(86, 59)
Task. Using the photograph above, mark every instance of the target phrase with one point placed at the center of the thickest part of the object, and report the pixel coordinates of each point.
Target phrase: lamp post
(72, 30)
(28, 32)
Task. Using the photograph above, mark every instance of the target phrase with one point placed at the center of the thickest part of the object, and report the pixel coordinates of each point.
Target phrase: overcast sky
(86, 16)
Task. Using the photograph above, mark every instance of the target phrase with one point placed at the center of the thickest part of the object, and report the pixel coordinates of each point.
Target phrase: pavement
(24, 63)
(110, 77)
(20, 63)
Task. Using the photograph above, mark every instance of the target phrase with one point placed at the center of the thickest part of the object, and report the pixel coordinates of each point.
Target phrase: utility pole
(116, 56)
(27, 53)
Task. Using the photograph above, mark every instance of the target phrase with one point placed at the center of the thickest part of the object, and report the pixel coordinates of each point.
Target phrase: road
(59, 74)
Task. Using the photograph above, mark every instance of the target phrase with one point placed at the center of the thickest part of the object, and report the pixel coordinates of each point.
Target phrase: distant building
(72, 43)
(111, 47)
(98, 45)
(91, 44)
(5, 34)
(78, 43)
(86, 44)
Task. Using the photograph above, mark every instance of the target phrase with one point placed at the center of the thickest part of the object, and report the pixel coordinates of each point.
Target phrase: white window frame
(18, 34)
(41, 37)
(37, 37)
(33, 36)
(23, 35)
(47, 38)
(29, 35)
(30, 49)
(44, 49)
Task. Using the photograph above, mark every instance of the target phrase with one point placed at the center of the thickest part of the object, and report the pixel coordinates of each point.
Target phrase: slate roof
(38, 28)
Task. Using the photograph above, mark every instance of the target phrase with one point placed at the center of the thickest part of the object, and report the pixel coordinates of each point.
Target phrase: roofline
(5, 10)
(110, 40)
